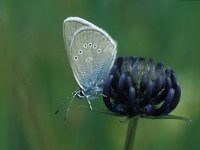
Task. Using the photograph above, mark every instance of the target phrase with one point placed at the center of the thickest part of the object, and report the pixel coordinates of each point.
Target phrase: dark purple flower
(136, 87)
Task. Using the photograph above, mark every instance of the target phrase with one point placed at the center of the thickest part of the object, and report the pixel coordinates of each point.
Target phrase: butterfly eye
(75, 58)
(70, 38)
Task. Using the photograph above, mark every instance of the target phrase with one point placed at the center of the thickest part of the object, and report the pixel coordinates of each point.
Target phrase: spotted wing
(70, 26)
(93, 53)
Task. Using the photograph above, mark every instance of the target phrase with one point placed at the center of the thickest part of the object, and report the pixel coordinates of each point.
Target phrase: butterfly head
(80, 94)
(89, 94)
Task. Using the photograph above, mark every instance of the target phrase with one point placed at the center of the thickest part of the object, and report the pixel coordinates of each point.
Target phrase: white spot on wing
(94, 46)
(80, 51)
(88, 59)
(99, 50)
(85, 45)
(89, 44)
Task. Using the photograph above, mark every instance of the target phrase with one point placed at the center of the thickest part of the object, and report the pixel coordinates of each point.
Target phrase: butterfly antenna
(70, 104)
(60, 107)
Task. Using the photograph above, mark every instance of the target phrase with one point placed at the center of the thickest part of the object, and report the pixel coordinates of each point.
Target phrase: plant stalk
(131, 132)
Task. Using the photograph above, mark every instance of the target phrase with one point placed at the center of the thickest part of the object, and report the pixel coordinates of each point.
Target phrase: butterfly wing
(93, 53)
(70, 26)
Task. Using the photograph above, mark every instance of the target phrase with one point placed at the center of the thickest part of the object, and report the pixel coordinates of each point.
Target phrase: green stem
(131, 131)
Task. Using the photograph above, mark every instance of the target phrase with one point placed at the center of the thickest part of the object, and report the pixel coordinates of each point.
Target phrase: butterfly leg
(89, 104)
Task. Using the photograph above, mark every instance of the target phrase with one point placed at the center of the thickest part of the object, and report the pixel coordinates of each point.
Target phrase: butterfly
(91, 54)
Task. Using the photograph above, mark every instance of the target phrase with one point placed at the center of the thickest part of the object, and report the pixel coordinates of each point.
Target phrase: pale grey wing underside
(93, 53)
(70, 26)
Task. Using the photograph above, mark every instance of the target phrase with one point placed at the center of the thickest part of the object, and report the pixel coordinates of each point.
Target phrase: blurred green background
(35, 76)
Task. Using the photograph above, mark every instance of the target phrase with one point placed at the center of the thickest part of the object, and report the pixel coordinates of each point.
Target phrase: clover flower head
(136, 87)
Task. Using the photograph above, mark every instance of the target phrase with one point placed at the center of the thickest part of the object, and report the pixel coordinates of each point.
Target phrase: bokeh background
(35, 77)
